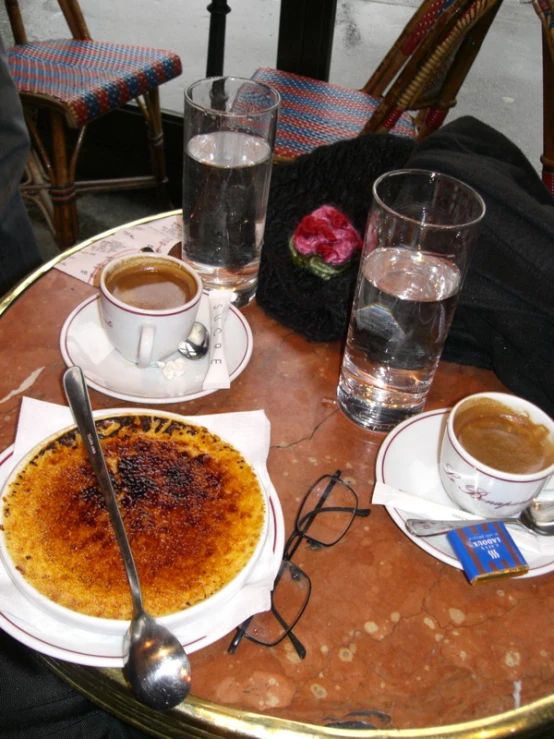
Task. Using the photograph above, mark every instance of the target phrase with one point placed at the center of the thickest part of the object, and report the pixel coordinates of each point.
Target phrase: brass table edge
(200, 718)
(18, 290)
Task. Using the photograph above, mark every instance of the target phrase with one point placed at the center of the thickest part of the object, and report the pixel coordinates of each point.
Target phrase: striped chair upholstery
(315, 113)
(89, 78)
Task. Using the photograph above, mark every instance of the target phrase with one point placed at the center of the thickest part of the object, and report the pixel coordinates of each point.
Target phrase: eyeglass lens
(327, 510)
(290, 596)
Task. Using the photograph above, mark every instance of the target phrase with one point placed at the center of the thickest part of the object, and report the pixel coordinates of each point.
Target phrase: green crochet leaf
(315, 264)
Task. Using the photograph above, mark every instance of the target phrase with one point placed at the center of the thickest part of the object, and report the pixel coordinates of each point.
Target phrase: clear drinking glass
(419, 236)
(230, 126)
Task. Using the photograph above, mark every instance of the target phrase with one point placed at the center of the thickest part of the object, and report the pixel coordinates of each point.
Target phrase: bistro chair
(422, 73)
(64, 85)
(545, 11)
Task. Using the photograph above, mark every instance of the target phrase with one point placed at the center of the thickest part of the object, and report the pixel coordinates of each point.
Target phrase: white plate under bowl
(408, 460)
(114, 626)
(45, 634)
(83, 342)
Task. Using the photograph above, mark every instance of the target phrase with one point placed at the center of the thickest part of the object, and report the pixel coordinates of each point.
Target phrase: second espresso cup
(497, 454)
(148, 303)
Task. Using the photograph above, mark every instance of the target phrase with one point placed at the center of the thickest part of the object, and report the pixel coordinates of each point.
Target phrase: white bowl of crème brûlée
(195, 513)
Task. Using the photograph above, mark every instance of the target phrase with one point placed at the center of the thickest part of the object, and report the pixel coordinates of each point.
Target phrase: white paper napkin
(249, 432)
(217, 376)
(421, 507)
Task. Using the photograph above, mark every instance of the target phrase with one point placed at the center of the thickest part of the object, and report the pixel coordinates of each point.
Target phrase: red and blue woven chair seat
(315, 113)
(89, 78)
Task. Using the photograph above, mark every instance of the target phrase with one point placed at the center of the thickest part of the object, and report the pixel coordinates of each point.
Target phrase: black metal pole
(218, 9)
(306, 29)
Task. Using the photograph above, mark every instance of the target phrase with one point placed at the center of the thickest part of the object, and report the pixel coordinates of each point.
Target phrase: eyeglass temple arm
(241, 633)
(239, 636)
(296, 643)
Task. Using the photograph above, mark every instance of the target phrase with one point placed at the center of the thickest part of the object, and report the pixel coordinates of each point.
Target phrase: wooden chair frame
(545, 11)
(50, 179)
(410, 92)
(404, 81)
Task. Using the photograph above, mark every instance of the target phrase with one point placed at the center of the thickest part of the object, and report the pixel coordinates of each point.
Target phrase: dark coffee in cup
(503, 438)
(149, 284)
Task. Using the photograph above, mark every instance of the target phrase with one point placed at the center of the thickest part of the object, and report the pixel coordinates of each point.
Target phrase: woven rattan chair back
(429, 78)
(64, 85)
(545, 11)
(410, 93)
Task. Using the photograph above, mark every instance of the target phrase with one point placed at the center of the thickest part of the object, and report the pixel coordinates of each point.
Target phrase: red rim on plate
(56, 639)
(129, 373)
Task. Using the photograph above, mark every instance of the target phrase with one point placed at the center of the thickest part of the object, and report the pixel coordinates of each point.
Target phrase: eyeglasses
(327, 512)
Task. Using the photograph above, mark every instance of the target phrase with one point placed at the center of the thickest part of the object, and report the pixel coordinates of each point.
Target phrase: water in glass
(399, 322)
(225, 185)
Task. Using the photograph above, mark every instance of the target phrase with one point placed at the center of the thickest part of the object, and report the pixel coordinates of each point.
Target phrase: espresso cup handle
(146, 345)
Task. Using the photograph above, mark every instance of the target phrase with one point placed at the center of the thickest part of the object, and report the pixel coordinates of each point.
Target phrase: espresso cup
(497, 454)
(148, 303)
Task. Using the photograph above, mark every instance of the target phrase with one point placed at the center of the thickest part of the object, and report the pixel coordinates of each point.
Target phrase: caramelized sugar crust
(192, 507)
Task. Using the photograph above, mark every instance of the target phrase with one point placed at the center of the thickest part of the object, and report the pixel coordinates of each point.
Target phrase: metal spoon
(537, 517)
(156, 665)
(196, 345)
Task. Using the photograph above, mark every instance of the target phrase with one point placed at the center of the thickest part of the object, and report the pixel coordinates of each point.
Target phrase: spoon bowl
(156, 666)
(537, 517)
(197, 343)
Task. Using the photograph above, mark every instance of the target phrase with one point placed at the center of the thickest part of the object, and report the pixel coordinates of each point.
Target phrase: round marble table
(397, 641)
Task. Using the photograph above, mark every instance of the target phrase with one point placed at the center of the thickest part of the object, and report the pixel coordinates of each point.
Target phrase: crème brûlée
(192, 507)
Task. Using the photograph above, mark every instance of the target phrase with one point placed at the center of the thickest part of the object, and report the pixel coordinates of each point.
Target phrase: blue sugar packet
(487, 552)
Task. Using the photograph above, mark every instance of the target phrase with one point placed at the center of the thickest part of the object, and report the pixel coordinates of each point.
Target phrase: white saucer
(408, 460)
(37, 629)
(84, 342)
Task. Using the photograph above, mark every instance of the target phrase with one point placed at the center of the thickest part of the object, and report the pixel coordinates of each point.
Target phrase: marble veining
(27, 383)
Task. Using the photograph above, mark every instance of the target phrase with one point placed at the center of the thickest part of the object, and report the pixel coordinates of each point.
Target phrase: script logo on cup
(148, 303)
(497, 454)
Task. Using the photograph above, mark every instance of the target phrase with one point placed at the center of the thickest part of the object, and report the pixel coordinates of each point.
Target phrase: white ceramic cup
(145, 335)
(481, 489)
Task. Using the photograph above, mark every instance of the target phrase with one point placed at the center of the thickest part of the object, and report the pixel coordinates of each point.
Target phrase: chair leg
(35, 187)
(547, 157)
(153, 117)
(62, 190)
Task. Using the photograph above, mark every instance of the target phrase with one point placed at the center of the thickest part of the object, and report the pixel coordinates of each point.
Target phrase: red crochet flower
(325, 239)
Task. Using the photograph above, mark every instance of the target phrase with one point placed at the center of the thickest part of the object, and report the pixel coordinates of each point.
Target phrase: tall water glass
(230, 126)
(419, 236)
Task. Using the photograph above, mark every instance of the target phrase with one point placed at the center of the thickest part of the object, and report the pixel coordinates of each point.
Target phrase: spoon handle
(424, 527)
(79, 402)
